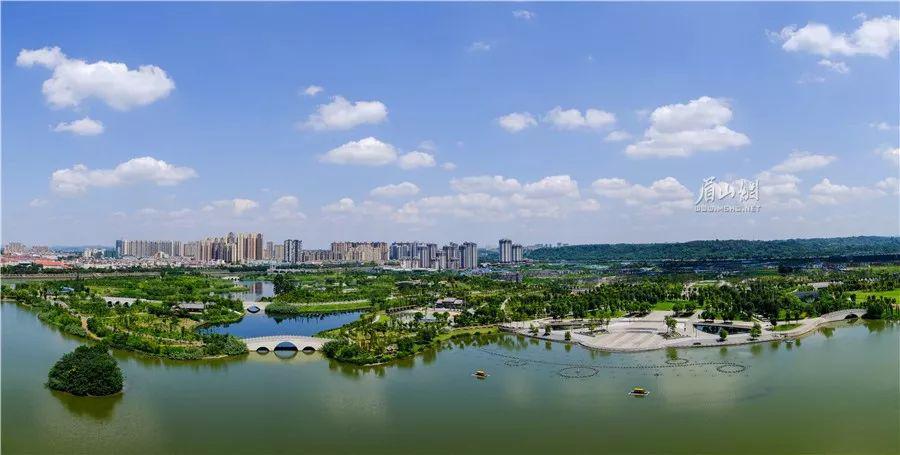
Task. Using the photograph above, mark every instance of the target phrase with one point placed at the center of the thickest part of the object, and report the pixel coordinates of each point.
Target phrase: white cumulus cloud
(485, 184)
(884, 126)
(617, 136)
(663, 195)
(890, 184)
(572, 119)
(83, 127)
(826, 192)
(803, 161)
(286, 208)
(236, 206)
(79, 178)
(892, 154)
(74, 80)
(516, 121)
(366, 152)
(313, 90)
(836, 66)
(479, 46)
(343, 205)
(680, 130)
(414, 160)
(524, 14)
(877, 36)
(395, 190)
(552, 186)
(341, 114)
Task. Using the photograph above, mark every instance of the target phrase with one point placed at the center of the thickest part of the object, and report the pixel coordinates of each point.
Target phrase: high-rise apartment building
(148, 248)
(505, 250)
(518, 253)
(293, 251)
(468, 255)
(377, 252)
(278, 252)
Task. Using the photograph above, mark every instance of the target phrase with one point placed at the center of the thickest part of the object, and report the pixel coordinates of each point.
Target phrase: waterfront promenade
(650, 332)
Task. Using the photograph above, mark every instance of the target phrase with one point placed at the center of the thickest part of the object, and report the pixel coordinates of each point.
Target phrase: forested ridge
(724, 249)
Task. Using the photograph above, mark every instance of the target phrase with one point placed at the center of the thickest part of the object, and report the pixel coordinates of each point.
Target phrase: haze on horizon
(545, 123)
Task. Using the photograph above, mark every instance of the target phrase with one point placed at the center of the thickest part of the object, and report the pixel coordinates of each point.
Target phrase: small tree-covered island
(87, 371)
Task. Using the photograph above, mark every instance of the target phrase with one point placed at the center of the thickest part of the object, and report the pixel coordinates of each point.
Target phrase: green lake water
(836, 391)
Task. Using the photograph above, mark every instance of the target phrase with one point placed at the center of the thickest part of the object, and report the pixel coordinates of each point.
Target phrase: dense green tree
(88, 370)
(756, 330)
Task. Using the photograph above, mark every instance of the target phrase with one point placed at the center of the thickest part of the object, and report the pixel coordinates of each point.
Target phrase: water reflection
(285, 354)
(257, 325)
(256, 290)
(671, 353)
(97, 408)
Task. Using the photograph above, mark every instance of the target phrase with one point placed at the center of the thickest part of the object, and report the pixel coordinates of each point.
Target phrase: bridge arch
(286, 346)
(284, 343)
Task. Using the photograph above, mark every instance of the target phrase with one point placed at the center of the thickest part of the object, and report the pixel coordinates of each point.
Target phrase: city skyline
(551, 126)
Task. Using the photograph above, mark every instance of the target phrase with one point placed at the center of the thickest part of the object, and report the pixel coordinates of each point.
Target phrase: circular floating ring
(516, 363)
(577, 372)
(677, 361)
(730, 368)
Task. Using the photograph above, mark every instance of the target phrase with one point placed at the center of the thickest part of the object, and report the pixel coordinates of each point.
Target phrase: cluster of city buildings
(453, 256)
(510, 252)
(20, 249)
(252, 248)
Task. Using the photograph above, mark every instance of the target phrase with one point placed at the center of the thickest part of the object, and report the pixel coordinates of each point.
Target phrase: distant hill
(723, 249)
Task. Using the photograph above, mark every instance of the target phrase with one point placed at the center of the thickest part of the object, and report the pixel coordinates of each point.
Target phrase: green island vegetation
(87, 371)
(723, 249)
(282, 308)
(403, 313)
(154, 327)
(750, 296)
(376, 338)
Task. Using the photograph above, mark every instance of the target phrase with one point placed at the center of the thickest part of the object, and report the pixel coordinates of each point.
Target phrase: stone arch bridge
(840, 315)
(269, 343)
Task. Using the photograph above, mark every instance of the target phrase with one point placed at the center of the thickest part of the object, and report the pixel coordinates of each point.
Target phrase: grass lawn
(666, 305)
(893, 293)
(785, 327)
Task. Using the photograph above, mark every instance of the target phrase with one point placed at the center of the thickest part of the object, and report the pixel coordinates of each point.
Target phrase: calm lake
(836, 391)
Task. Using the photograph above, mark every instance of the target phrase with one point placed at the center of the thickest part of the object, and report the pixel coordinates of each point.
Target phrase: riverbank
(133, 336)
(651, 333)
(306, 309)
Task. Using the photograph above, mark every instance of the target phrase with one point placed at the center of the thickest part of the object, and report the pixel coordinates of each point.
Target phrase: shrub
(88, 370)
(756, 331)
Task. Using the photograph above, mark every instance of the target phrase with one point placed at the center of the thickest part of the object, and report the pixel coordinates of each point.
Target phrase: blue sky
(233, 143)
